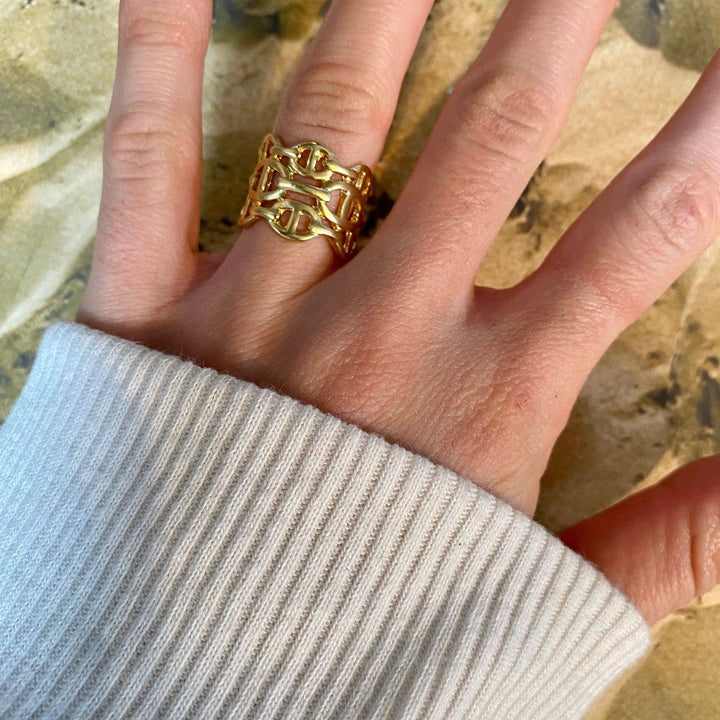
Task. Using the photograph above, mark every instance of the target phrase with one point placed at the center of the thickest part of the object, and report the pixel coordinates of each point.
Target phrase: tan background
(652, 404)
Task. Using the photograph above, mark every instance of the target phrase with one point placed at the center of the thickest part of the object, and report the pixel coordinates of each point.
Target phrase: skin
(399, 341)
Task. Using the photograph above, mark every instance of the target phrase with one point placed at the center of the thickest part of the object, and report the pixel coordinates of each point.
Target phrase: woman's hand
(399, 340)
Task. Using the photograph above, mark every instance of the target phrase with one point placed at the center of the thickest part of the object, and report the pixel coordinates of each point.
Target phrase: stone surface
(653, 402)
(262, 7)
(687, 31)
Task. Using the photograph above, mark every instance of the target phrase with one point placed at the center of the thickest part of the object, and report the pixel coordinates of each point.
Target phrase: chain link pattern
(303, 192)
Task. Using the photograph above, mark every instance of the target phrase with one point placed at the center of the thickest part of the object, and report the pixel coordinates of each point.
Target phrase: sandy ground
(652, 404)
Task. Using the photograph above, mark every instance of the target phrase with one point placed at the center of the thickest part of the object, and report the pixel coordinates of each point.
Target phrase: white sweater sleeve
(178, 543)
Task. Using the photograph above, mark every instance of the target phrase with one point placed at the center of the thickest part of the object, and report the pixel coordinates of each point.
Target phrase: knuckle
(332, 96)
(593, 293)
(602, 292)
(158, 28)
(673, 210)
(676, 209)
(506, 113)
(697, 547)
(703, 556)
(142, 143)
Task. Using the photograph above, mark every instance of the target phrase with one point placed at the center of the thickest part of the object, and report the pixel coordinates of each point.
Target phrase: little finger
(658, 216)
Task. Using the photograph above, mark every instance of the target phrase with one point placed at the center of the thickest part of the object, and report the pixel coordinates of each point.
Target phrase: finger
(648, 226)
(661, 547)
(494, 131)
(343, 95)
(149, 213)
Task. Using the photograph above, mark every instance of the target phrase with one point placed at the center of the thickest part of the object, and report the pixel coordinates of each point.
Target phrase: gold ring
(303, 193)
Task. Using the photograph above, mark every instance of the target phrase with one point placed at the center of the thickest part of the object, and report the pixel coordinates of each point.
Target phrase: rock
(453, 36)
(298, 18)
(261, 7)
(641, 19)
(690, 31)
(687, 31)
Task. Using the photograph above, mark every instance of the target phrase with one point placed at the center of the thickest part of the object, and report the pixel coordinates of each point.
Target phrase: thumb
(661, 547)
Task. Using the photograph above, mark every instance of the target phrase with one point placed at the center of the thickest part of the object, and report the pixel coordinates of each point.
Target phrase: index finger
(149, 212)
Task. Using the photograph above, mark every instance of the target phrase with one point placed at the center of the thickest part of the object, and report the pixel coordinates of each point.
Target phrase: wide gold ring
(303, 193)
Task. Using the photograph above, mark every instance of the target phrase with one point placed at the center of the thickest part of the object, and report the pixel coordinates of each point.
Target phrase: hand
(399, 340)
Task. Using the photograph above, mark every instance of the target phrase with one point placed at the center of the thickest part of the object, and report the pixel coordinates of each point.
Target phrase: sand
(653, 403)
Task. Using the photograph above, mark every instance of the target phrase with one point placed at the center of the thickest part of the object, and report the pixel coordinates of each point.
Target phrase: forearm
(179, 541)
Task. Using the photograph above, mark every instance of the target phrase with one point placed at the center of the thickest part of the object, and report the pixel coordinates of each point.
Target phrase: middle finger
(342, 95)
(494, 131)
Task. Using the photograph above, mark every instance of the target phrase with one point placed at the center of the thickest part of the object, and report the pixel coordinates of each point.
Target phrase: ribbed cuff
(179, 543)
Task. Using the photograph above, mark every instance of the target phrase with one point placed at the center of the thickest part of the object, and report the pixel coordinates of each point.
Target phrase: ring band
(303, 192)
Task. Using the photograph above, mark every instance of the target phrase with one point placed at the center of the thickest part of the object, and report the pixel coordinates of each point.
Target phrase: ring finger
(494, 131)
(343, 95)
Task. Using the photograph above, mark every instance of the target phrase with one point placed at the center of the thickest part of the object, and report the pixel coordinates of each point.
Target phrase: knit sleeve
(176, 543)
